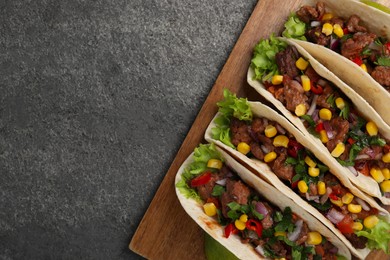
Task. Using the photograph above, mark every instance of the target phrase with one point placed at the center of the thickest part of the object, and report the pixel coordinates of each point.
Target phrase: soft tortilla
(263, 170)
(233, 243)
(377, 22)
(366, 183)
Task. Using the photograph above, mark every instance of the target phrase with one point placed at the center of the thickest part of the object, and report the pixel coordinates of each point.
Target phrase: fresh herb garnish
(218, 190)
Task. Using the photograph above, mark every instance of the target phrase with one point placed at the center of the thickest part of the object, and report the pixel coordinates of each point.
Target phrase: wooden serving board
(166, 231)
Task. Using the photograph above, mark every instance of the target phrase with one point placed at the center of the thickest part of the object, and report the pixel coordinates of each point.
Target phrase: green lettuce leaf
(294, 28)
(263, 60)
(378, 236)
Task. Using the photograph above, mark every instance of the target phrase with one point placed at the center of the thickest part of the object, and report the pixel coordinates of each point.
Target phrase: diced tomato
(293, 148)
(230, 229)
(333, 196)
(320, 250)
(255, 225)
(294, 184)
(387, 46)
(201, 179)
(365, 169)
(345, 30)
(316, 89)
(351, 141)
(358, 60)
(345, 225)
(319, 127)
(337, 190)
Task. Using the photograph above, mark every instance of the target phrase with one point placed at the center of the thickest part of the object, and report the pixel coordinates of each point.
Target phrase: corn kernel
(386, 173)
(327, 29)
(327, 16)
(244, 218)
(239, 224)
(338, 150)
(281, 140)
(270, 131)
(305, 83)
(357, 226)
(354, 208)
(210, 209)
(277, 79)
(269, 157)
(370, 221)
(337, 202)
(243, 148)
(371, 128)
(214, 163)
(325, 114)
(338, 30)
(313, 172)
(340, 104)
(364, 67)
(310, 162)
(314, 238)
(386, 158)
(301, 63)
(300, 110)
(377, 175)
(385, 186)
(280, 234)
(324, 136)
(321, 188)
(302, 186)
(347, 198)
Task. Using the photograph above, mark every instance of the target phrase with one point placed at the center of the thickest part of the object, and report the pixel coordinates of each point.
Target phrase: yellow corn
(280, 234)
(325, 114)
(210, 209)
(277, 79)
(302, 186)
(269, 157)
(377, 175)
(347, 198)
(239, 224)
(386, 173)
(327, 16)
(301, 63)
(300, 110)
(314, 238)
(337, 202)
(338, 30)
(338, 150)
(313, 172)
(327, 29)
(310, 162)
(364, 67)
(357, 226)
(270, 131)
(244, 218)
(370, 221)
(354, 208)
(321, 188)
(340, 104)
(386, 158)
(281, 140)
(305, 83)
(214, 163)
(371, 128)
(243, 148)
(385, 186)
(324, 136)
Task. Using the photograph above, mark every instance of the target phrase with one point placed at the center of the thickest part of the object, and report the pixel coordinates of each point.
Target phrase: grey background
(96, 98)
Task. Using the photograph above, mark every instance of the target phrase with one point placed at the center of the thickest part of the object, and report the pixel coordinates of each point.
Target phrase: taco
(276, 151)
(352, 40)
(351, 134)
(242, 213)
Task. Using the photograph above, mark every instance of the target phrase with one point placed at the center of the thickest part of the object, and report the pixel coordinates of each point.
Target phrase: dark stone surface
(96, 98)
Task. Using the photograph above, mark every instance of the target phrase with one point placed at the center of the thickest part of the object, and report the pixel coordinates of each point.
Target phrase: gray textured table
(96, 98)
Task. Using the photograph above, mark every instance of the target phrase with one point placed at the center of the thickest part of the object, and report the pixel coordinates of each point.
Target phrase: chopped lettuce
(202, 154)
(294, 28)
(378, 236)
(263, 61)
(230, 106)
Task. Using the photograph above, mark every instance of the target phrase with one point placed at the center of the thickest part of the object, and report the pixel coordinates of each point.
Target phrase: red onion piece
(378, 156)
(221, 182)
(325, 197)
(295, 234)
(363, 204)
(334, 250)
(328, 129)
(334, 43)
(315, 23)
(313, 105)
(310, 198)
(362, 157)
(334, 216)
(259, 207)
(321, 82)
(353, 170)
(315, 116)
(259, 249)
(280, 129)
(264, 149)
